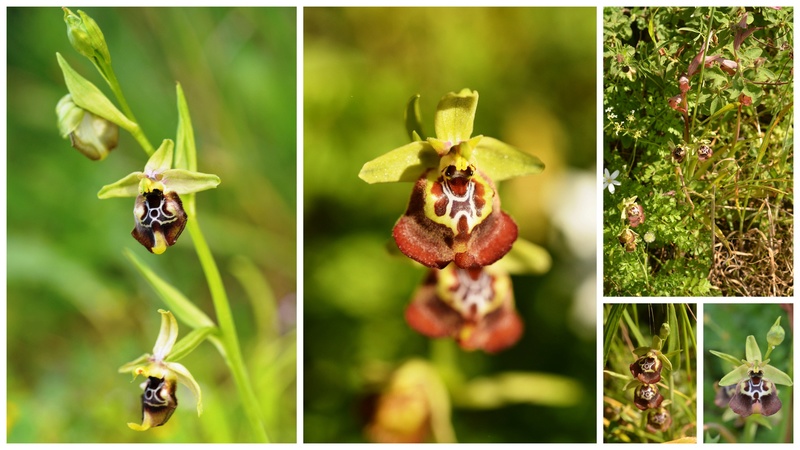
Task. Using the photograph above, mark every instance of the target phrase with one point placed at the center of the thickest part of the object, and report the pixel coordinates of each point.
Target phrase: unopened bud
(776, 334)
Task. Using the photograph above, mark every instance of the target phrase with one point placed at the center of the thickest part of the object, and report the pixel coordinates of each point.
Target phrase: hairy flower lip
(440, 226)
(474, 307)
(646, 396)
(647, 369)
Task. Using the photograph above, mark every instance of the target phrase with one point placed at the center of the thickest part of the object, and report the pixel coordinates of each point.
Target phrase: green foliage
(727, 327)
(712, 235)
(628, 329)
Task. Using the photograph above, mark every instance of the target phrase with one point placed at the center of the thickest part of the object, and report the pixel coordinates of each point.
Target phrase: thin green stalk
(111, 79)
(702, 67)
(233, 354)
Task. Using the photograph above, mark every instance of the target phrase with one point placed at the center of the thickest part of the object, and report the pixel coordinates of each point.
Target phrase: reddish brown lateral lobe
(436, 245)
(755, 395)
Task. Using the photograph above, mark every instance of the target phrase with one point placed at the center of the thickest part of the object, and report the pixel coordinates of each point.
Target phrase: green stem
(702, 67)
(233, 355)
(108, 73)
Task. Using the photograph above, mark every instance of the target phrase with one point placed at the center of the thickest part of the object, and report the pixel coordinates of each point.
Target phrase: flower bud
(92, 135)
(776, 334)
(85, 36)
(664, 332)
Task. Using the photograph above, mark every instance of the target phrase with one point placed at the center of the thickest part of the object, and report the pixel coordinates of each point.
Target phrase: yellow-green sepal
(500, 161)
(185, 377)
(128, 186)
(735, 375)
(729, 358)
(776, 375)
(455, 115)
(752, 352)
(405, 163)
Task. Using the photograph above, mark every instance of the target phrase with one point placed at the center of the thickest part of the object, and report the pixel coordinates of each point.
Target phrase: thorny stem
(233, 354)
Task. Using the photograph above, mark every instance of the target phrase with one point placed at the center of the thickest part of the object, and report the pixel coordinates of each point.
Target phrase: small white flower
(610, 180)
(609, 109)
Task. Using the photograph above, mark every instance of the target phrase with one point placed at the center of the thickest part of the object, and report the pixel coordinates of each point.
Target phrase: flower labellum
(647, 368)
(658, 420)
(646, 396)
(755, 395)
(678, 154)
(158, 401)
(159, 218)
(704, 153)
(635, 215)
(476, 307)
(454, 215)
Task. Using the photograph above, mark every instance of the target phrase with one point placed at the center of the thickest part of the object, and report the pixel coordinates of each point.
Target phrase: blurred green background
(535, 70)
(77, 309)
(726, 327)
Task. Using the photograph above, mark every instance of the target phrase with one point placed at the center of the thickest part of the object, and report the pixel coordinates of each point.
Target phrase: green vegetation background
(76, 308)
(535, 72)
(726, 327)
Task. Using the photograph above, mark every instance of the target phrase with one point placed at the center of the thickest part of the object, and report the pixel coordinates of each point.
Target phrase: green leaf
(185, 151)
(189, 342)
(89, 97)
(611, 327)
(752, 352)
(455, 115)
(731, 359)
(631, 384)
(526, 258)
(500, 161)
(405, 163)
(126, 187)
(734, 376)
(181, 306)
(413, 119)
(776, 375)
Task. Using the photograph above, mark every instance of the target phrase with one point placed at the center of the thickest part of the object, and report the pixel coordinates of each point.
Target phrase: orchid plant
(92, 121)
